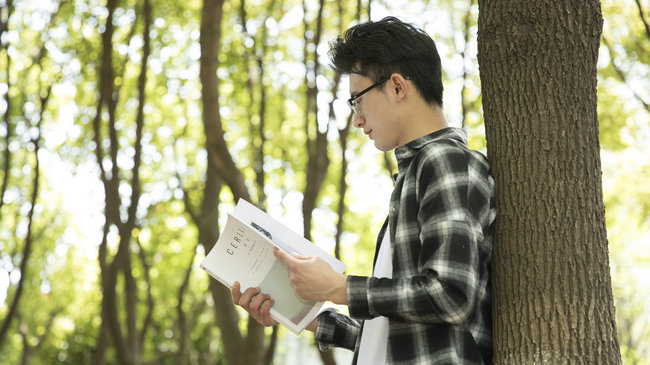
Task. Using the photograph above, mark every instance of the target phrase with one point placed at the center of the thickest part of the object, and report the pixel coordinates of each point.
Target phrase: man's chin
(382, 147)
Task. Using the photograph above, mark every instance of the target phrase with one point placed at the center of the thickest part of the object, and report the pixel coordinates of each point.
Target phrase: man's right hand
(256, 304)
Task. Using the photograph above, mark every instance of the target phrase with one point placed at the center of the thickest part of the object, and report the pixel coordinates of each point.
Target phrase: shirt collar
(405, 153)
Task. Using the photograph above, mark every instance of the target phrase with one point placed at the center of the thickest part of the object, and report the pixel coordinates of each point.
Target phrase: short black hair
(378, 49)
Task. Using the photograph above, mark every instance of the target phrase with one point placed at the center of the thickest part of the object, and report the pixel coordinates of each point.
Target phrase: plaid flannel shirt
(441, 220)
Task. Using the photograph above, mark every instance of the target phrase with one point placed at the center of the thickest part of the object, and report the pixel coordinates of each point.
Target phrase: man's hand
(314, 279)
(256, 304)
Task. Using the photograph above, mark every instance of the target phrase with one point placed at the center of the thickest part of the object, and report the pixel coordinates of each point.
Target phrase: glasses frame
(352, 102)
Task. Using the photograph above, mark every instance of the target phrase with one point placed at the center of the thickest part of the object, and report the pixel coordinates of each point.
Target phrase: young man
(428, 301)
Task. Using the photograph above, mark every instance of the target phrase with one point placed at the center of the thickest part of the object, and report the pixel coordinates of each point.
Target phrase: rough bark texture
(553, 299)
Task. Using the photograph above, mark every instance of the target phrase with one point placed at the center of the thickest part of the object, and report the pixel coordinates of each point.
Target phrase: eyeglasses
(352, 102)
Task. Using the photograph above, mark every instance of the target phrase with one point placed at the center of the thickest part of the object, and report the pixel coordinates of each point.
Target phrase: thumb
(283, 256)
(299, 256)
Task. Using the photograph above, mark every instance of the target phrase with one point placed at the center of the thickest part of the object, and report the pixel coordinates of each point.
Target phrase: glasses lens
(353, 105)
(353, 100)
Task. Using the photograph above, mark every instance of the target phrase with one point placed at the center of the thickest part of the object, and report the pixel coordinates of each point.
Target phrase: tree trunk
(14, 303)
(214, 134)
(119, 305)
(552, 294)
(7, 9)
(317, 146)
(238, 349)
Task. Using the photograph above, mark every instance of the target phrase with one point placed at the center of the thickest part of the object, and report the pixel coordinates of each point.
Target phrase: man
(428, 301)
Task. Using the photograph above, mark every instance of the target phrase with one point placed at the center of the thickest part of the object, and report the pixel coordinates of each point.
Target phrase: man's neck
(424, 119)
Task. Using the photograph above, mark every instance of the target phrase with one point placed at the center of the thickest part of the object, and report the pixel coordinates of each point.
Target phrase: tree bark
(552, 293)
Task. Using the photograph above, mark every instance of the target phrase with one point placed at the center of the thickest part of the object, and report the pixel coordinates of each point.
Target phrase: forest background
(98, 260)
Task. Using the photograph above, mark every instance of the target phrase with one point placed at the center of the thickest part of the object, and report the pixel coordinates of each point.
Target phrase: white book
(244, 253)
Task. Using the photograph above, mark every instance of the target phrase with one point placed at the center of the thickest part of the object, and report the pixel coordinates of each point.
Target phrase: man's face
(374, 115)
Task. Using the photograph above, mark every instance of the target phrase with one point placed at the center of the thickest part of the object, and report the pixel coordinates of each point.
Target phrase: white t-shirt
(374, 337)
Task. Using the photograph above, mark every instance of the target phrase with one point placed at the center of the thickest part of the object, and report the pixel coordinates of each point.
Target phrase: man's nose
(357, 120)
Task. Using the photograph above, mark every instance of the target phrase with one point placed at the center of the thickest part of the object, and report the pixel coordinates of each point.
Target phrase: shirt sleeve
(443, 278)
(335, 329)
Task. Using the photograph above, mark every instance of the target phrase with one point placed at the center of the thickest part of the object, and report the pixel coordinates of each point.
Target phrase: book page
(283, 237)
(287, 302)
(241, 255)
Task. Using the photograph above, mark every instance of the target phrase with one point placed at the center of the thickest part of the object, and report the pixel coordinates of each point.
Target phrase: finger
(265, 313)
(256, 302)
(283, 256)
(245, 299)
(300, 257)
(236, 294)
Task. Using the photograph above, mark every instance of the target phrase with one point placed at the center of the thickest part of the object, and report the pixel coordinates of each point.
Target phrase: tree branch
(621, 75)
(642, 16)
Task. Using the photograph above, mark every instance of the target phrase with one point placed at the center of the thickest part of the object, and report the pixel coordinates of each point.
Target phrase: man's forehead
(356, 81)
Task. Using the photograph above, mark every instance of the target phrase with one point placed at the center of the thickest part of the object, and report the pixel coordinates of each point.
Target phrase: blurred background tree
(119, 157)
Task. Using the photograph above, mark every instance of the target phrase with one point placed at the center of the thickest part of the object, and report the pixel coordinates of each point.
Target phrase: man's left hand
(314, 279)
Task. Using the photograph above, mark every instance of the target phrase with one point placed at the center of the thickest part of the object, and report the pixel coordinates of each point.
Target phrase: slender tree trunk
(466, 33)
(109, 324)
(215, 142)
(317, 146)
(238, 349)
(552, 294)
(6, 11)
(7, 155)
(13, 312)
(134, 337)
(119, 307)
(43, 95)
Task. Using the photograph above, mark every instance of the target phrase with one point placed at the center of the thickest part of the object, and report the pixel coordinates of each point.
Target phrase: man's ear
(398, 83)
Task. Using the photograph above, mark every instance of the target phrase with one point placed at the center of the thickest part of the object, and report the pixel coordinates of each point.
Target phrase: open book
(244, 253)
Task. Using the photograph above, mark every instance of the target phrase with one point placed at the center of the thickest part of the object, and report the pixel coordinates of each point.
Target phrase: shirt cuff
(325, 330)
(357, 291)
(338, 330)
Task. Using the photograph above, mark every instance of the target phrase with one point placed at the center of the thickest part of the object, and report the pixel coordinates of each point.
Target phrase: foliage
(48, 43)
